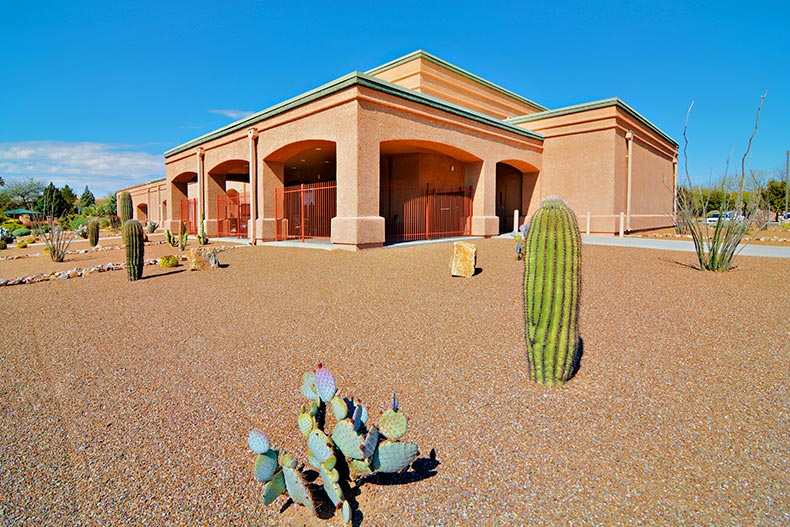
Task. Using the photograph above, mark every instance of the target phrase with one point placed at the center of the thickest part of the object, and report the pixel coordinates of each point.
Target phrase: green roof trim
(594, 105)
(353, 79)
(455, 69)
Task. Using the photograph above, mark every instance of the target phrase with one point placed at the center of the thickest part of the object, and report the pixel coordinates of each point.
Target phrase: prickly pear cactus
(552, 286)
(354, 448)
(135, 249)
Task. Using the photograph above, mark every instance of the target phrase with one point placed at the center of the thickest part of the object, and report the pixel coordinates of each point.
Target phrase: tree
(112, 204)
(2, 182)
(25, 192)
(87, 198)
(68, 196)
(51, 203)
(774, 196)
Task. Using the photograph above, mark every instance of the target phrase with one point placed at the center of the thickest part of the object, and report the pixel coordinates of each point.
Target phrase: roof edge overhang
(353, 79)
(153, 181)
(455, 69)
(594, 105)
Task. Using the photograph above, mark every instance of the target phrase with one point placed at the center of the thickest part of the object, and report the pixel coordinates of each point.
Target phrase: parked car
(784, 217)
(712, 219)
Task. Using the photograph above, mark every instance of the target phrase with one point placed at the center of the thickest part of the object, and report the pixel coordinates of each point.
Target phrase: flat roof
(354, 79)
(594, 105)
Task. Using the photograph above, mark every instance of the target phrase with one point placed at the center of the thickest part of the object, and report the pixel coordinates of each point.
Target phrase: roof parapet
(353, 79)
(594, 105)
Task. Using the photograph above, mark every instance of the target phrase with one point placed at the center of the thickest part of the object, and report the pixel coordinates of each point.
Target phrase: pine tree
(87, 198)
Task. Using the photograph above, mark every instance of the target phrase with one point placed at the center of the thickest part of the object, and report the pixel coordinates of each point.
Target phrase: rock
(201, 259)
(464, 259)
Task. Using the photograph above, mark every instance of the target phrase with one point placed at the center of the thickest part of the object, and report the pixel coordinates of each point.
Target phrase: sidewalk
(768, 251)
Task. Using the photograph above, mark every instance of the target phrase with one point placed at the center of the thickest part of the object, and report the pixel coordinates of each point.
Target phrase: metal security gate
(305, 211)
(417, 212)
(189, 214)
(233, 213)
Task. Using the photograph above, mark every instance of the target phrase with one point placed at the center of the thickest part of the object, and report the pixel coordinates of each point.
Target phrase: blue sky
(94, 92)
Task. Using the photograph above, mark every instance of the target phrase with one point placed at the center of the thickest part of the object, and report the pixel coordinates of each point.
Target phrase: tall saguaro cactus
(125, 207)
(135, 249)
(93, 233)
(552, 286)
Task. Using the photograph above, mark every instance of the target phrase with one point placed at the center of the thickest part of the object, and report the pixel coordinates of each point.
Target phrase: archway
(141, 213)
(228, 199)
(423, 190)
(305, 189)
(184, 189)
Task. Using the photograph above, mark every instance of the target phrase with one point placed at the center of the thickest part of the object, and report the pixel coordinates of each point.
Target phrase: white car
(712, 219)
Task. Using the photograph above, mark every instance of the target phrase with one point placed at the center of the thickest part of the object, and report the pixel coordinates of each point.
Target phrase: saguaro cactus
(93, 233)
(552, 286)
(125, 207)
(135, 249)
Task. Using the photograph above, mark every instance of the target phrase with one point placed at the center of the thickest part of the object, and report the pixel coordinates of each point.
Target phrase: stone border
(79, 272)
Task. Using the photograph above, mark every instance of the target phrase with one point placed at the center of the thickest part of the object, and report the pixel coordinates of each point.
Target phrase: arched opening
(424, 192)
(515, 186)
(305, 189)
(228, 199)
(141, 213)
(184, 192)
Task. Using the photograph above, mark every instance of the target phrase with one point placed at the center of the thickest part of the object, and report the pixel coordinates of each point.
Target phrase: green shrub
(42, 229)
(77, 221)
(21, 231)
(2, 245)
(11, 225)
(22, 245)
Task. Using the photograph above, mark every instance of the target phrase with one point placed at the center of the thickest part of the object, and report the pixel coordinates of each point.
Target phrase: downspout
(629, 137)
(252, 135)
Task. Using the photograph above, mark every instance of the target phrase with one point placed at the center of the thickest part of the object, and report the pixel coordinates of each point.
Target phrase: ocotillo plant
(135, 249)
(93, 233)
(552, 286)
(125, 207)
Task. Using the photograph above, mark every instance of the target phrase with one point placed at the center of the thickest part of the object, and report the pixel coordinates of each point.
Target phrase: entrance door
(305, 211)
(508, 196)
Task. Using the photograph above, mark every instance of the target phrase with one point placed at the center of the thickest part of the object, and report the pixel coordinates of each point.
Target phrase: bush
(11, 225)
(21, 231)
(22, 244)
(2, 245)
(77, 222)
(42, 229)
(168, 261)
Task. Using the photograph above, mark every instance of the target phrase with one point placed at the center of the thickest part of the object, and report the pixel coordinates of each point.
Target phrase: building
(417, 148)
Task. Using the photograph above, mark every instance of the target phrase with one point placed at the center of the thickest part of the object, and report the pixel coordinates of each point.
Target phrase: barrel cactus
(93, 233)
(552, 287)
(356, 447)
(125, 207)
(135, 249)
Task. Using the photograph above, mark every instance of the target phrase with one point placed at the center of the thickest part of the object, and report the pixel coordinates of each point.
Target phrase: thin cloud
(105, 168)
(233, 114)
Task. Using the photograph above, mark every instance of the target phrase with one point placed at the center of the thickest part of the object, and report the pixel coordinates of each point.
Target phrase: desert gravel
(129, 403)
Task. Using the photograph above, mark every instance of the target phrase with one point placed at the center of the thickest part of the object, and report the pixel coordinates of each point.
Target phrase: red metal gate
(305, 211)
(416, 212)
(233, 213)
(189, 214)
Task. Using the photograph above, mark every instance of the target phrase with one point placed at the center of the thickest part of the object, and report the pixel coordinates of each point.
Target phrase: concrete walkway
(768, 251)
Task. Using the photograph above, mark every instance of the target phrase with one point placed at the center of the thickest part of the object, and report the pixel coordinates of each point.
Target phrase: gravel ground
(129, 403)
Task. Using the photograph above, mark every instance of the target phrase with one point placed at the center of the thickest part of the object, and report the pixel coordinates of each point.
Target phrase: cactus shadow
(149, 276)
(577, 359)
(421, 468)
(478, 270)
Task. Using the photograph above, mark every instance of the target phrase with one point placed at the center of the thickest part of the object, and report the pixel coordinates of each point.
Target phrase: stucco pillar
(482, 178)
(201, 184)
(252, 136)
(272, 175)
(358, 223)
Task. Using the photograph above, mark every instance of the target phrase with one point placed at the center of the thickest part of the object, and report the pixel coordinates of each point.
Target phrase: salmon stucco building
(414, 149)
